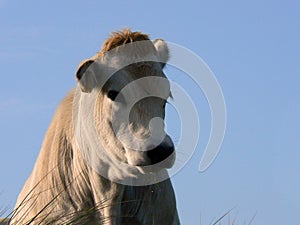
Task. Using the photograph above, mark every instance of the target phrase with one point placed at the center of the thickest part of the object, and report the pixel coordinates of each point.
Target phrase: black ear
(84, 76)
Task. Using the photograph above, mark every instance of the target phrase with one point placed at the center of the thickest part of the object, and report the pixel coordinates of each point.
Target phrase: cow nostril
(160, 153)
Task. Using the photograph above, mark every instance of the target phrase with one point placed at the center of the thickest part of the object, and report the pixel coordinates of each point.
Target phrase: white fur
(162, 50)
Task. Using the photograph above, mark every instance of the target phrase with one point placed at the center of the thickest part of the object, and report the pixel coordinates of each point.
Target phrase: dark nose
(162, 151)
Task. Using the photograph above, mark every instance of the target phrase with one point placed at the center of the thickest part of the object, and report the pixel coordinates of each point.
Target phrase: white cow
(122, 179)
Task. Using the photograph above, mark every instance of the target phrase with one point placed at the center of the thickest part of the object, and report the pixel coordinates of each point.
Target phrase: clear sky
(251, 46)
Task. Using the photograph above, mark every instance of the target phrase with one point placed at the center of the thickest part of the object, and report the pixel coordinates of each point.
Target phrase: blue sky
(251, 46)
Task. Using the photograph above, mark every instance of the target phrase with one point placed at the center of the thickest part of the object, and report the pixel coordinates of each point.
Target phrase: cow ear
(85, 76)
(162, 51)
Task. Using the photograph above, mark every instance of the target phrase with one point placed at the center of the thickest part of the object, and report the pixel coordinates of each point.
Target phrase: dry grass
(226, 219)
(83, 218)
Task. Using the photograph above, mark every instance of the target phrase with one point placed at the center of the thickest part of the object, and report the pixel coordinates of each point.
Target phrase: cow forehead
(134, 61)
(130, 53)
(149, 87)
(137, 71)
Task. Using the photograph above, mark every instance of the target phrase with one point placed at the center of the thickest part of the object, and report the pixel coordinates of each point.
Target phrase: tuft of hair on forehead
(119, 38)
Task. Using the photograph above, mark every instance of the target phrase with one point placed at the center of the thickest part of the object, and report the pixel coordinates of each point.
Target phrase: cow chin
(139, 160)
(166, 164)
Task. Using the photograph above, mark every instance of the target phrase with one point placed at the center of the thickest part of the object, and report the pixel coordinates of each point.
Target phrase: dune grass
(88, 215)
(84, 218)
(226, 219)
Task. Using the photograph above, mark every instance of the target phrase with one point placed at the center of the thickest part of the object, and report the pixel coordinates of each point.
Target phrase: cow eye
(112, 94)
